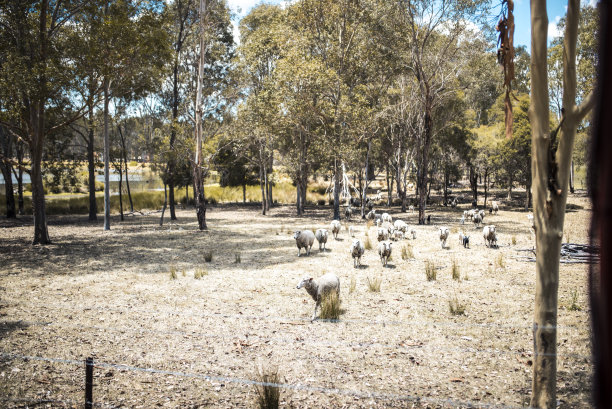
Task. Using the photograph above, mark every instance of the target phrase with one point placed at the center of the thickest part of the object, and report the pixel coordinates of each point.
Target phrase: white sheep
(489, 235)
(495, 207)
(411, 209)
(444, 232)
(357, 251)
(482, 214)
(386, 217)
(384, 251)
(304, 239)
(400, 225)
(413, 233)
(389, 227)
(382, 234)
(321, 236)
(320, 288)
(335, 228)
(462, 220)
(398, 235)
(371, 215)
(461, 236)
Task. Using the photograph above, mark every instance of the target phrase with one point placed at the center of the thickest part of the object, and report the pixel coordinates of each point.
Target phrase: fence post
(89, 366)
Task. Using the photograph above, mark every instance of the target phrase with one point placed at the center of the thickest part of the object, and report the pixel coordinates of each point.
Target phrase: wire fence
(249, 382)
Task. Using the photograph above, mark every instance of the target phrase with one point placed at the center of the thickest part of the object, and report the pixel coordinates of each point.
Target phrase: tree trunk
(474, 183)
(244, 193)
(106, 158)
(550, 179)
(422, 182)
(364, 188)
(510, 181)
(298, 194)
(120, 189)
(197, 168)
(445, 187)
(486, 186)
(19, 177)
(161, 219)
(571, 178)
(8, 190)
(91, 167)
(337, 183)
(263, 191)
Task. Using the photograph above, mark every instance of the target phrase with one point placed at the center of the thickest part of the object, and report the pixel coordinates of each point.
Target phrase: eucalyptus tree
(550, 167)
(438, 47)
(36, 75)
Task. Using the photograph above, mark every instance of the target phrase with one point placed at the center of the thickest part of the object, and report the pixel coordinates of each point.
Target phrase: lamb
(482, 214)
(320, 288)
(495, 207)
(444, 232)
(384, 251)
(352, 231)
(413, 233)
(490, 237)
(304, 239)
(357, 251)
(382, 234)
(400, 225)
(461, 236)
(321, 236)
(386, 217)
(335, 228)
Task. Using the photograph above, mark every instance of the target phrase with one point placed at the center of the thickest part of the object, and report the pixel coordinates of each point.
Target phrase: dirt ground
(194, 343)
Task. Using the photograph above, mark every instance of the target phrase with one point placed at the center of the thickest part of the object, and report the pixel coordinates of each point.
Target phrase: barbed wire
(286, 340)
(56, 401)
(250, 382)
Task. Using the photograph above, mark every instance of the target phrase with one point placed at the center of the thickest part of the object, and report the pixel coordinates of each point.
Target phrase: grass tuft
(430, 270)
(199, 273)
(500, 262)
(173, 275)
(238, 260)
(369, 223)
(368, 243)
(268, 396)
(574, 305)
(374, 284)
(513, 240)
(330, 306)
(456, 307)
(456, 274)
(407, 252)
(352, 285)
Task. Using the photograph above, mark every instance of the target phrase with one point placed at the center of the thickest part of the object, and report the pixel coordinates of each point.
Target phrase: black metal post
(89, 367)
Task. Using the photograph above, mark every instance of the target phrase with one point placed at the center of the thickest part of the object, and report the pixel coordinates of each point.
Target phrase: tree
(551, 156)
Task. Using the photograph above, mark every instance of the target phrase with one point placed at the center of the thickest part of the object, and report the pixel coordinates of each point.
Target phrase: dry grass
(367, 244)
(430, 271)
(330, 306)
(456, 307)
(268, 396)
(407, 252)
(109, 293)
(352, 285)
(455, 273)
(374, 284)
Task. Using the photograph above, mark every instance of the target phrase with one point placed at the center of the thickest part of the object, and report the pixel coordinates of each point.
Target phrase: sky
(522, 32)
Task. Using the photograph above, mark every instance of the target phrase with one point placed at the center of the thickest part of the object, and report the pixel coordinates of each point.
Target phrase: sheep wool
(320, 288)
(304, 239)
(321, 236)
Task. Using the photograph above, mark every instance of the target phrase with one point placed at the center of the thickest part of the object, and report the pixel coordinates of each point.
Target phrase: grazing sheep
(304, 239)
(320, 288)
(335, 228)
(357, 251)
(352, 231)
(321, 236)
(377, 196)
(495, 207)
(384, 251)
(477, 220)
(386, 217)
(413, 233)
(371, 215)
(400, 225)
(482, 214)
(466, 242)
(389, 227)
(383, 234)
(489, 235)
(444, 232)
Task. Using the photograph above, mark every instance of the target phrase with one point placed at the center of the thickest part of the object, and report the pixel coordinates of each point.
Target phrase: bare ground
(190, 343)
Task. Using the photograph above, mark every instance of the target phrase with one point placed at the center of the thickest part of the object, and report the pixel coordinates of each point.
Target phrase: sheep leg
(314, 314)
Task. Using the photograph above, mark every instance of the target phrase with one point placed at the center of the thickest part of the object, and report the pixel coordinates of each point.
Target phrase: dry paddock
(195, 343)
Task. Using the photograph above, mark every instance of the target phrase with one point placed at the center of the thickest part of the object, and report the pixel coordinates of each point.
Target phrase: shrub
(500, 261)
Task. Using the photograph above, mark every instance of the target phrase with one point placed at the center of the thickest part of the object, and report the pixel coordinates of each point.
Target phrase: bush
(268, 396)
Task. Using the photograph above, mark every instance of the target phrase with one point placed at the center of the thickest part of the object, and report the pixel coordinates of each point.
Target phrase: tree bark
(197, 169)
(127, 180)
(91, 168)
(120, 189)
(19, 177)
(337, 183)
(8, 190)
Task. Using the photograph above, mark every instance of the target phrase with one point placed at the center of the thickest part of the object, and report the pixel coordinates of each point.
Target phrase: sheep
(304, 239)
(386, 217)
(357, 251)
(462, 220)
(413, 233)
(495, 207)
(482, 214)
(335, 228)
(320, 288)
(348, 212)
(389, 227)
(398, 235)
(411, 209)
(461, 236)
(382, 234)
(371, 215)
(400, 225)
(444, 232)
(477, 220)
(490, 238)
(377, 196)
(321, 236)
(384, 251)
(352, 231)
(466, 242)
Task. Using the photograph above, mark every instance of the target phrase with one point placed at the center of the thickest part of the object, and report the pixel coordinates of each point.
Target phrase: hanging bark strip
(505, 57)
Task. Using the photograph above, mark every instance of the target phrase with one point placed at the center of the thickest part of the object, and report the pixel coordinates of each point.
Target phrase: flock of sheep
(387, 230)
